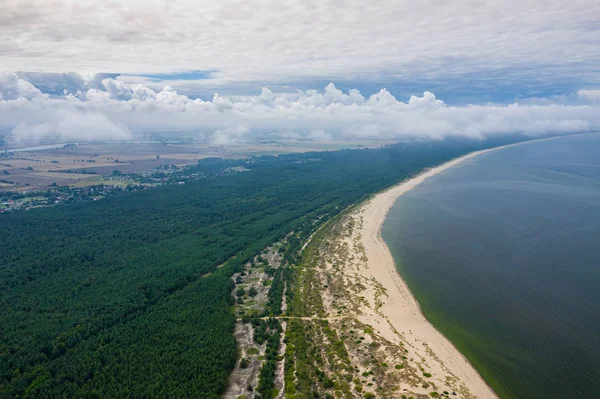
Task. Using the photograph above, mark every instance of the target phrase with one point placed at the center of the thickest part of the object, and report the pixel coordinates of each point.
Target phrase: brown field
(58, 175)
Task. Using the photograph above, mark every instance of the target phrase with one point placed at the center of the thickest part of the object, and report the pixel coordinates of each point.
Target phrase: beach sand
(360, 330)
(399, 315)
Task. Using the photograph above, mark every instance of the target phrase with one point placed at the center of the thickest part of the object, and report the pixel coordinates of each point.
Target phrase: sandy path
(400, 309)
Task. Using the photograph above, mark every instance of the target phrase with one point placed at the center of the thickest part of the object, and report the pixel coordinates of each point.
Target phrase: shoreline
(400, 309)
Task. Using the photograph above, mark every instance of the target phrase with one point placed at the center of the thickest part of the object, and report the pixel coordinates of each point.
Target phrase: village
(102, 186)
(11, 202)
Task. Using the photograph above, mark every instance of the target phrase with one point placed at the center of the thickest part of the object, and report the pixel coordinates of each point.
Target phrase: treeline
(268, 331)
(275, 294)
(114, 298)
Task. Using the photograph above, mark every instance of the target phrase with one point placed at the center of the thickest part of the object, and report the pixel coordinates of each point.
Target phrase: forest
(131, 296)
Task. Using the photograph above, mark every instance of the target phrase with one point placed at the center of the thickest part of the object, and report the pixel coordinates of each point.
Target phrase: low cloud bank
(114, 110)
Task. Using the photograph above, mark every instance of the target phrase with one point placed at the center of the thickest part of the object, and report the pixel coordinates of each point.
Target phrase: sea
(503, 254)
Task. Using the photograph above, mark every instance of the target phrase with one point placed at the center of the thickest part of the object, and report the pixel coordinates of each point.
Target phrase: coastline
(352, 327)
(400, 317)
(351, 303)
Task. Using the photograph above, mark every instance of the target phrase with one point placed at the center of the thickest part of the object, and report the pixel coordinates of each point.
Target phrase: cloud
(229, 135)
(67, 125)
(117, 110)
(13, 88)
(589, 94)
(32, 116)
(288, 40)
(58, 83)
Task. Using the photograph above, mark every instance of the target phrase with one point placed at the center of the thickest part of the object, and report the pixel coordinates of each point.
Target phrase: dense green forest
(124, 297)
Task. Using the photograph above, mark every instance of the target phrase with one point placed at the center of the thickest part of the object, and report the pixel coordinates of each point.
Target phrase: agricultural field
(78, 164)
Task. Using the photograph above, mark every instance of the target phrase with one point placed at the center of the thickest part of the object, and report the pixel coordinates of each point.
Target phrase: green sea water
(503, 254)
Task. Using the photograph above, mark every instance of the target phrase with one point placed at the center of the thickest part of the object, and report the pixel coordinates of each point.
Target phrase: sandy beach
(399, 313)
(358, 325)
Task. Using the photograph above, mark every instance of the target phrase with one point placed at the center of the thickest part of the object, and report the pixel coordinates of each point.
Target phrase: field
(28, 170)
(97, 180)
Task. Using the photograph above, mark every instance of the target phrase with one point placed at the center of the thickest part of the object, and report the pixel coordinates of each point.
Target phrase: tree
(252, 292)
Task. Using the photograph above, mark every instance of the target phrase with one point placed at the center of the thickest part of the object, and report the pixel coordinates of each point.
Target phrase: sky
(244, 70)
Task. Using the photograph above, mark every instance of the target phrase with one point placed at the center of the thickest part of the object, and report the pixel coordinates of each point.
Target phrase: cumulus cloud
(67, 124)
(13, 88)
(58, 83)
(116, 110)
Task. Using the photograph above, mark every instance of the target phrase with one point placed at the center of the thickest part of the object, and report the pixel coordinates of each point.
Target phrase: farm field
(80, 164)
